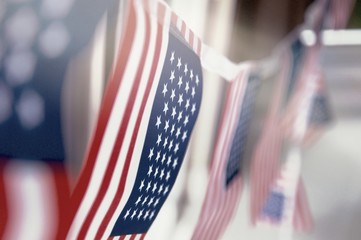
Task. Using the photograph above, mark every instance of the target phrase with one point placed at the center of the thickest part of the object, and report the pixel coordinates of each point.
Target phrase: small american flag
(266, 161)
(225, 181)
(37, 41)
(145, 122)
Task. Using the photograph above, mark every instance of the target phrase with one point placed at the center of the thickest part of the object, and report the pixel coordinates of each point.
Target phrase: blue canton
(274, 206)
(174, 112)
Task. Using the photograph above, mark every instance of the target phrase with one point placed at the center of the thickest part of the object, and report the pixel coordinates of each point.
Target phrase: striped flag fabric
(225, 182)
(266, 163)
(37, 41)
(146, 119)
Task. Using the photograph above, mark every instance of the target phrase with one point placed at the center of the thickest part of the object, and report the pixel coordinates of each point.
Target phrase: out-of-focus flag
(266, 163)
(37, 40)
(225, 182)
(146, 119)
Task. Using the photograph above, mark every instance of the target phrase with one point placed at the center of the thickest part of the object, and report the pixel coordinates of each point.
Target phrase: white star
(170, 146)
(169, 160)
(175, 163)
(191, 75)
(172, 130)
(168, 176)
(158, 122)
(180, 116)
(154, 187)
(148, 186)
(140, 214)
(159, 140)
(160, 189)
(145, 200)
(156, 202)
(178, 132)
(172, 58)
(141, 185)
(180, 82)
(187, 87)
(146, 215)
(156, 172)
(150, 201)
(176, 148)
(138, 200)
(179, 64)
(151, 154)
(166, 126)
(165, 142)
(166, 190)
(151, 215)
(171, 78)
(161, 174)
(174, 112)
(165, 90)
(165, 109)
(172, 96)
(197, 80)
(187, 104)
(186, 120)
(184, 136)
(127, 213)
(133, 214)
(180, 99)
(193, 108)
(150, 170)
(164, 157)
(193, 92)
(185, 69)
(158, 156)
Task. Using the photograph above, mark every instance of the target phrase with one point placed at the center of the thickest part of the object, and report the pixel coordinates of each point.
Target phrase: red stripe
(174, 18)
(161, 12)
(104, 115)
(191, 37)
(199, 47)
(62, 189)
(3, 200)
(142, 236)
(183, 29)
(121, 185)
(120, 138)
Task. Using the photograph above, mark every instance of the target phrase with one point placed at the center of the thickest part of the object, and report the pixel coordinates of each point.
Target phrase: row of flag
(146, 119)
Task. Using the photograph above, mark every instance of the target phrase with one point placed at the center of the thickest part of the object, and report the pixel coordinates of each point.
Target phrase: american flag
(225, 182)
(266, 161)
(146, 119)
(37, 40)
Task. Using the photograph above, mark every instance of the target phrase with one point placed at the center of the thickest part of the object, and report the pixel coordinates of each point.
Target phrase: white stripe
(195, 43)
(138, 236)
(110, 134)
(31, 200)
(118, 169)
(186, 37)
(179, 23)
(144, 125)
